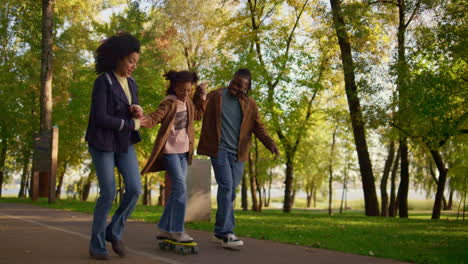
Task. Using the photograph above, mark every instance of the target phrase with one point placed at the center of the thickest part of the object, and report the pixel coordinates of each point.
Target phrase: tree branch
(415, 10)
(288, 43)
(382, 2)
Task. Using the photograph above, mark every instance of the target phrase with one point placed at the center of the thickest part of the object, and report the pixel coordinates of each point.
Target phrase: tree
(256, 206)
(20, 29)
(275, 51)
(370, 196)
(437, 114)
(392, 206)
(330, 170)
(385, 174)
(198, 24)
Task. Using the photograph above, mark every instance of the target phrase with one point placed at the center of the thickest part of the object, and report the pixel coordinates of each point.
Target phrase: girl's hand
(136, 110)
(145, 121)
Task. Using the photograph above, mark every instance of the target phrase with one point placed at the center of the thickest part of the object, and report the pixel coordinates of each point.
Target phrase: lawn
(417, 239)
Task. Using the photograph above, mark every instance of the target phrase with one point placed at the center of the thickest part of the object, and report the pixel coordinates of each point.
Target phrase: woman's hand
(137, 111)
(145, 121)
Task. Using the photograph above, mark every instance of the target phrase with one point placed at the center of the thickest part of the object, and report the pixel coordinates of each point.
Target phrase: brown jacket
(165, 114)
(211, 129)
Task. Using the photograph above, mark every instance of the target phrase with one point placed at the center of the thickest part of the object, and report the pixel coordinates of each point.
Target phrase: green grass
(417, 239)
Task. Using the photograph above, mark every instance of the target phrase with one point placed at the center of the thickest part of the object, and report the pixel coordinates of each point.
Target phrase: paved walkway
(31, 234)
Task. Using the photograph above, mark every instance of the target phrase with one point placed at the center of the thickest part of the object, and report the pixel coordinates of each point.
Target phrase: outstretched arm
(157, 116)
(199, 101)
(261, 133)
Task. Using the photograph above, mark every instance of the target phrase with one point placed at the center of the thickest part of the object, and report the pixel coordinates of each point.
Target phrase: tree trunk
(3, 152)
(257, 182)
(392, 208)
(365, 165)
(288, 184)
(24, 174)
(330, 170)
(402, 71)
(270, 182)
(309, 191)
(244, 200)
(253, 189)
(440, 183)
(464, 203)
(315, 197)
(27, 181)
(58, 191)
(450, 201)
(404, 180)
(87, 187)
(293, 198)
(146, 200)
(161, 198)
(46, 65)
(345, 182)
(436, 181)
(150, 196)
(383, 182)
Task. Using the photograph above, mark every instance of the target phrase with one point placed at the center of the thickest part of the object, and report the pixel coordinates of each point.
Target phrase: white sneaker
(161, 234)
(231, 240)
(181, 237)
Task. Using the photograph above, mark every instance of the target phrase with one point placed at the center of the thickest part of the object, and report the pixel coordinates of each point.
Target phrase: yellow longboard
(179, 247)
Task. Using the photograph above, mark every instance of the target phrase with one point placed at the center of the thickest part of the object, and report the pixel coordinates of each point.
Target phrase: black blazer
(110, 125)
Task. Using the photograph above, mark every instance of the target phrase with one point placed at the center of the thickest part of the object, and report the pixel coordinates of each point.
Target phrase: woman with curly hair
(174, 145)
(112, 131)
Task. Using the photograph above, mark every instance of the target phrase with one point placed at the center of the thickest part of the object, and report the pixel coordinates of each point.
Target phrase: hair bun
(195, 77)
(185, 76)
(170, 75)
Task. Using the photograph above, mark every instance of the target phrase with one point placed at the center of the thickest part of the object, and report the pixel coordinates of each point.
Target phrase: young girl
(174, 145)
(112, 131)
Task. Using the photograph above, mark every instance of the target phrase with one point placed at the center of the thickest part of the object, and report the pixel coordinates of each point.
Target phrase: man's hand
(201, 89)
(137, 111)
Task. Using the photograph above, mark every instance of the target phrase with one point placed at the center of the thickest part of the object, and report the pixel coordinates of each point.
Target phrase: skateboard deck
(183, 248)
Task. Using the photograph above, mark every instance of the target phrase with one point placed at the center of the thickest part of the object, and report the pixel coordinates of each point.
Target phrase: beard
(236, 93)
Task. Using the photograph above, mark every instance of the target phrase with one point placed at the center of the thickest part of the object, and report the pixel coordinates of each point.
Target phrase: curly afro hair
(114, 49)
(179, 76)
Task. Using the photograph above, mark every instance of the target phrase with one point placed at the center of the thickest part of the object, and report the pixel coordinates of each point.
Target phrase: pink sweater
(178, 140)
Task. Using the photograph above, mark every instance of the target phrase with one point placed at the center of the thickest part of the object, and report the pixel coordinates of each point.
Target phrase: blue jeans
(228, 173)
(172, 219)
(127, 164)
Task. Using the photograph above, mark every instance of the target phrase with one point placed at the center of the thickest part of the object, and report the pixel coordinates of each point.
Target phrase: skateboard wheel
(181, 250)
(162, 246)
(194, 250)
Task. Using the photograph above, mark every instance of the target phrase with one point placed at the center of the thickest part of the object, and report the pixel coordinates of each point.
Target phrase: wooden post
(44, 169)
